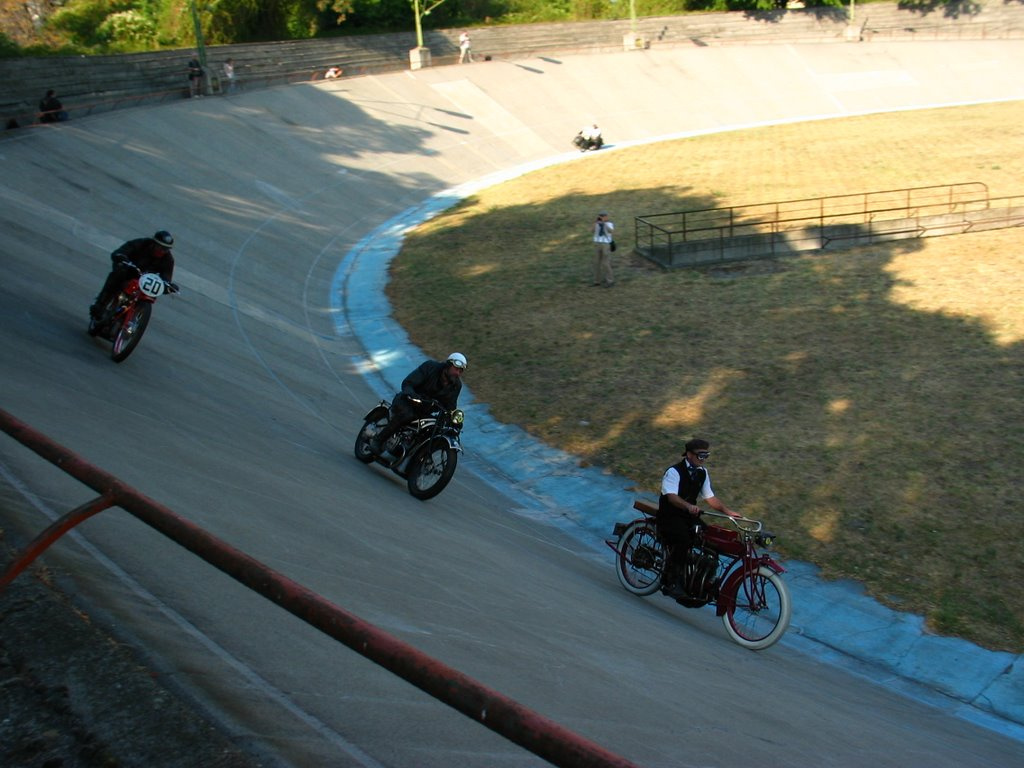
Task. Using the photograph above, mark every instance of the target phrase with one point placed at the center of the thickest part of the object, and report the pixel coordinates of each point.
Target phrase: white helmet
(458, 360)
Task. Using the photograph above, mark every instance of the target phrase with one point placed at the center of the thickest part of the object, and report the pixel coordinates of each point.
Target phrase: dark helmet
(163, 237)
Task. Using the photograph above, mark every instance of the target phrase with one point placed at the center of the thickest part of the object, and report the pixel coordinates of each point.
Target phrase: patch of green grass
(866, 403)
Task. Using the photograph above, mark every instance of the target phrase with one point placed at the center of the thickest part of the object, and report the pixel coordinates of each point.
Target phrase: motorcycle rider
(435, 379)
(678, 514)
(149, 254)
(589, 137)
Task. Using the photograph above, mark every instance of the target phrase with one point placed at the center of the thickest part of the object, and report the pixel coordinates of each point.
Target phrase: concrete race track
(240, 407)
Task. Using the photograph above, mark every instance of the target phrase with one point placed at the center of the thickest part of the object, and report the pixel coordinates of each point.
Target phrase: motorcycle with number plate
(425, 452)
(126, 316)
(723, 568)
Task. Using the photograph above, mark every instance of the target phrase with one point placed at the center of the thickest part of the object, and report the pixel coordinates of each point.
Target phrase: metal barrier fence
(1001, 30)
(734, 233)
(518, 724)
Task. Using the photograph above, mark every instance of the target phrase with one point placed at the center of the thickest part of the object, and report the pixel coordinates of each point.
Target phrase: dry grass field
(866, 403)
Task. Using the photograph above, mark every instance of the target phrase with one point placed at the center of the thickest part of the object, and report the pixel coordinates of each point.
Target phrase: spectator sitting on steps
(50, 108)
(195, 77)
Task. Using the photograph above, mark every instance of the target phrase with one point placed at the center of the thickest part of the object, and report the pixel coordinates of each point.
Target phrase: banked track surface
(240, 407)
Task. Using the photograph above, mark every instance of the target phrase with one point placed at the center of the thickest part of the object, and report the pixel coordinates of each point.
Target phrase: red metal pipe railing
(515, 722)
(51, 534)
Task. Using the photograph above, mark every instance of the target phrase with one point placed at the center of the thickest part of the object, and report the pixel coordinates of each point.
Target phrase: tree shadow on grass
(882, 441)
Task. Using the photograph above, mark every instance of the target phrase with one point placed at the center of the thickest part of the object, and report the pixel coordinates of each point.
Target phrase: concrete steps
(99, 83)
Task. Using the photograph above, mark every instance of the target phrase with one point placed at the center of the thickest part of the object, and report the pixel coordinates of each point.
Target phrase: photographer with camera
(604, 244)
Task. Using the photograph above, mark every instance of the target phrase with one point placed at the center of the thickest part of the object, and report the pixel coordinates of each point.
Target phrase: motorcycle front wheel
(370, 428)
(759, 611)
(431, 469)
(641, 558)
(130, 333)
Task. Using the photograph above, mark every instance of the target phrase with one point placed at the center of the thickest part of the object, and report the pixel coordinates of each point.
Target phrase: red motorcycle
(125, 317)
(723, 568)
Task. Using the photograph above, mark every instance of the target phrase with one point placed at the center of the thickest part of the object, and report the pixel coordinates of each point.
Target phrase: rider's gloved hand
(173, 288)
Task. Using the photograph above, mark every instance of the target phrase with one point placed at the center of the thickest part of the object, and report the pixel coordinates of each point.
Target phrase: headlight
(458, 417)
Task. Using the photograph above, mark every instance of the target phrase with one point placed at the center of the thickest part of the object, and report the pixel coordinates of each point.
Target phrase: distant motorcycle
(723, 569)
(425, 452)
(126, 316)
(586, 143)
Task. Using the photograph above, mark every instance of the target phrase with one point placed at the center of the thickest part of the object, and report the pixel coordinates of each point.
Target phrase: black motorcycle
(425, 452)
(585, 144)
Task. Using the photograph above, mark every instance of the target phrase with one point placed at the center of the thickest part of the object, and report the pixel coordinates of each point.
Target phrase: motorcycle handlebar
(746, 524)
(169, 287)
(419, 400)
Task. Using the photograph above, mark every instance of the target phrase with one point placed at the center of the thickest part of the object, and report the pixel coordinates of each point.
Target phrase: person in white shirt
(682, 486)
(465, 48)
(589, 137)
(229, 74)
(603, 240)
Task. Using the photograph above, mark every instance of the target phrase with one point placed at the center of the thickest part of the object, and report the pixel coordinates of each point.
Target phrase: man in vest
(681, 487)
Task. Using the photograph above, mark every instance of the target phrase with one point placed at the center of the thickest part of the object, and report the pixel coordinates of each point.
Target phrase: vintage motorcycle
(587, 143)
(724, 569)
(126, 316)
(425, 452)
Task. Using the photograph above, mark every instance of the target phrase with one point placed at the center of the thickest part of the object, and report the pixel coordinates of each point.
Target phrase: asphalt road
(239, 410)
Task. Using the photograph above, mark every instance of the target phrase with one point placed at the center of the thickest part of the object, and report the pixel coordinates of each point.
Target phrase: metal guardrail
(992, 30)
(731, 233)
(520, 725)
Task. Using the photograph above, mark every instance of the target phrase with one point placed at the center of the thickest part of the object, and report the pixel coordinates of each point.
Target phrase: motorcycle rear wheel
(130, 333)
(641, 559)
(759, 611)
(431, 469)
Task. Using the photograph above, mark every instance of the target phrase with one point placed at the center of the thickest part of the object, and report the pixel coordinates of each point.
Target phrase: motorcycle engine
(396, 444)
(701, 576)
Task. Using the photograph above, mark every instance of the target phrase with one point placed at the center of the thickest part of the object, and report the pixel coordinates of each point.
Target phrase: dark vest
(689, 487)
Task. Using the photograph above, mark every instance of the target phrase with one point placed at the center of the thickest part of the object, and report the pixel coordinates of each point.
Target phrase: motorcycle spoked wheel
(431, 469)
(759, 611)
(130, 334)
(370, 428)
(641, 559)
